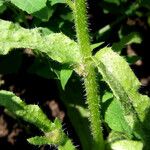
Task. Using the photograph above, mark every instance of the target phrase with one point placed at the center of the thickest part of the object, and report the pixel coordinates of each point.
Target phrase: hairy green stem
(93, 106)
(89, 74)
(82, 27)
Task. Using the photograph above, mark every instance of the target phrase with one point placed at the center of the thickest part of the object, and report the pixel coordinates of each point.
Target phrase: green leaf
(107, 96)
(116, 136)
(64, 77)
(39, 140)
(2, 6)
(127, 145)
(29, 113)
(67, 146)
(95, 45)
(119, 141)
(125, 85)
(56, 137)
(30, 6)
(1, 2)
(33, 114)
(131, 38)
(114, 116)
(11, 102)
(57, 46)
(53, 2)
(45, 30)
(37, 8)
(2, 9)
(44, 14)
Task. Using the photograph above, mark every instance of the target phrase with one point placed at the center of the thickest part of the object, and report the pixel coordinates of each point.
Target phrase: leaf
(67, 146)
(39, 140)
(10, 101)
(64, 77)
(44, 14)
(30, 6)
(114, 116)
(33, 114)
(119, 141)
(56, 136)
(95, 45)
(107, 96)
(56, 45)
(52, 139)
(116, 136)
(1, 2)
(125, 85)
(2, 6)
(37, 8)
(2, 9)
(131, 38)
(104, 29)
(45, 30)
(29, 113)
(53, 2)
(127, 145)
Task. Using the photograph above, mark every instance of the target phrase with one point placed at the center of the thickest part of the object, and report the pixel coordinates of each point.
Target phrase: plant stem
(93, 106)
(82, 27)
(89, 74)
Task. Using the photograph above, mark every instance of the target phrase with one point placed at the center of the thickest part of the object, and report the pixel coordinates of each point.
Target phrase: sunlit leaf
(114, 116)
(56, 45)
(30, 113)
(127, 145)
(53, 133)
(30, 6)
(64, 77)
(53, 2)
(124, 85)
